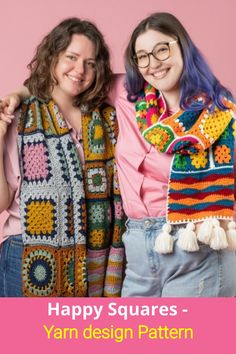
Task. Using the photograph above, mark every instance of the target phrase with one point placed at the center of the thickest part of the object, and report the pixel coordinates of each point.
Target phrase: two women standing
(175, 159)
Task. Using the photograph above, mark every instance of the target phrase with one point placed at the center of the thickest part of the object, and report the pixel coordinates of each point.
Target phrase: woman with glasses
(58, 178)
(174, 154)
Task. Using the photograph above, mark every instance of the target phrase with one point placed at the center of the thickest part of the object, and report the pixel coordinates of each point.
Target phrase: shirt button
(147, 223)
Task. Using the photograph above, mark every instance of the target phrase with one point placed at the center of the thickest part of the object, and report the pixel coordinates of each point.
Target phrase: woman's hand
(8, 105)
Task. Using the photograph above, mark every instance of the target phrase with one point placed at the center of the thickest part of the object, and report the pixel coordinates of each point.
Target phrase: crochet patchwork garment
(72, 219)
(201, 181)
(106, 219)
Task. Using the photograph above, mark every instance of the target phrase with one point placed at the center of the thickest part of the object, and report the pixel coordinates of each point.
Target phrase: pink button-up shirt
(143, 172)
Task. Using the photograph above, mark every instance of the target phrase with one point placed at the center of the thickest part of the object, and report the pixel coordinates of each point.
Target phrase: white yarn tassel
(205, 231)
(218, 238)
(188, 239)
(231, 235)
(164, 242)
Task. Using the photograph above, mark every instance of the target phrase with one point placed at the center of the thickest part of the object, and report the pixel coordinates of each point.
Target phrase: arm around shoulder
(10, 103)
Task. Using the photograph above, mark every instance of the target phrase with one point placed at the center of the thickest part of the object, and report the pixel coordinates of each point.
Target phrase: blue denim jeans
(10, 267)
(205, 273)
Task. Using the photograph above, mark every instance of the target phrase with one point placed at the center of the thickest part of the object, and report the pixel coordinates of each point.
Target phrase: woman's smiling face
(163, 75)
(75, 70)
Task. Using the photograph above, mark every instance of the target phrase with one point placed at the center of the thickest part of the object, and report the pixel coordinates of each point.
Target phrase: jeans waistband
(13, 238)
(146, 223)
(151, 224)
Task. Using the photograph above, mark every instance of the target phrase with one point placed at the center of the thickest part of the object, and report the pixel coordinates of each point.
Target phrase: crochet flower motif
(180, 162)
(222, 154)
(160, 137)
(152, 116)
(39, 271)
(97, 180)
(199, 160)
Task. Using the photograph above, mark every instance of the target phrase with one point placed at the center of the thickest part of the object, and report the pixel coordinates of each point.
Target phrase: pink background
(211, 24)
(23, 23)
(212, 320)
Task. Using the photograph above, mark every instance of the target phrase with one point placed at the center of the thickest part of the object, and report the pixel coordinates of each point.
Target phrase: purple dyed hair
(197, 78)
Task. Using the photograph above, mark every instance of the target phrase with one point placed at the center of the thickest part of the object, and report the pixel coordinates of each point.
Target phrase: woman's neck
(71, 113)
(172, 100)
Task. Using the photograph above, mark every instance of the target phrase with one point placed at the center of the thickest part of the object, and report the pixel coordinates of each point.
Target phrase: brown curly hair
(41, 81)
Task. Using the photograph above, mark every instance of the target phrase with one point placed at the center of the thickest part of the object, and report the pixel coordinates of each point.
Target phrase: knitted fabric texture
(201, 181)
(60, 211)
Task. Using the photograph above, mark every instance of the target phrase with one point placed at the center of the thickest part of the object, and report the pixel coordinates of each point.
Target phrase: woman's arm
(5, 191)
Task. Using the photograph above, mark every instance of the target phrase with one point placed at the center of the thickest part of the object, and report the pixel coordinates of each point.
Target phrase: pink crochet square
(35, 160)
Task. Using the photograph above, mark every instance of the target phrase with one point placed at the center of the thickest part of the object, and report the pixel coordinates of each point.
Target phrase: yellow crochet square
(40, 217)
(97, 238)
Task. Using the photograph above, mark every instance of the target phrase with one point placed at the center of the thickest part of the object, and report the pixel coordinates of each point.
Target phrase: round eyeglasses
(160, 52)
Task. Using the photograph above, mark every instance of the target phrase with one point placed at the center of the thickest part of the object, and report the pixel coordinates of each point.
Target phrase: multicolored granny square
(96, 181)
(36, 163)
(40, 271)
(48, 271)
(40, 217)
